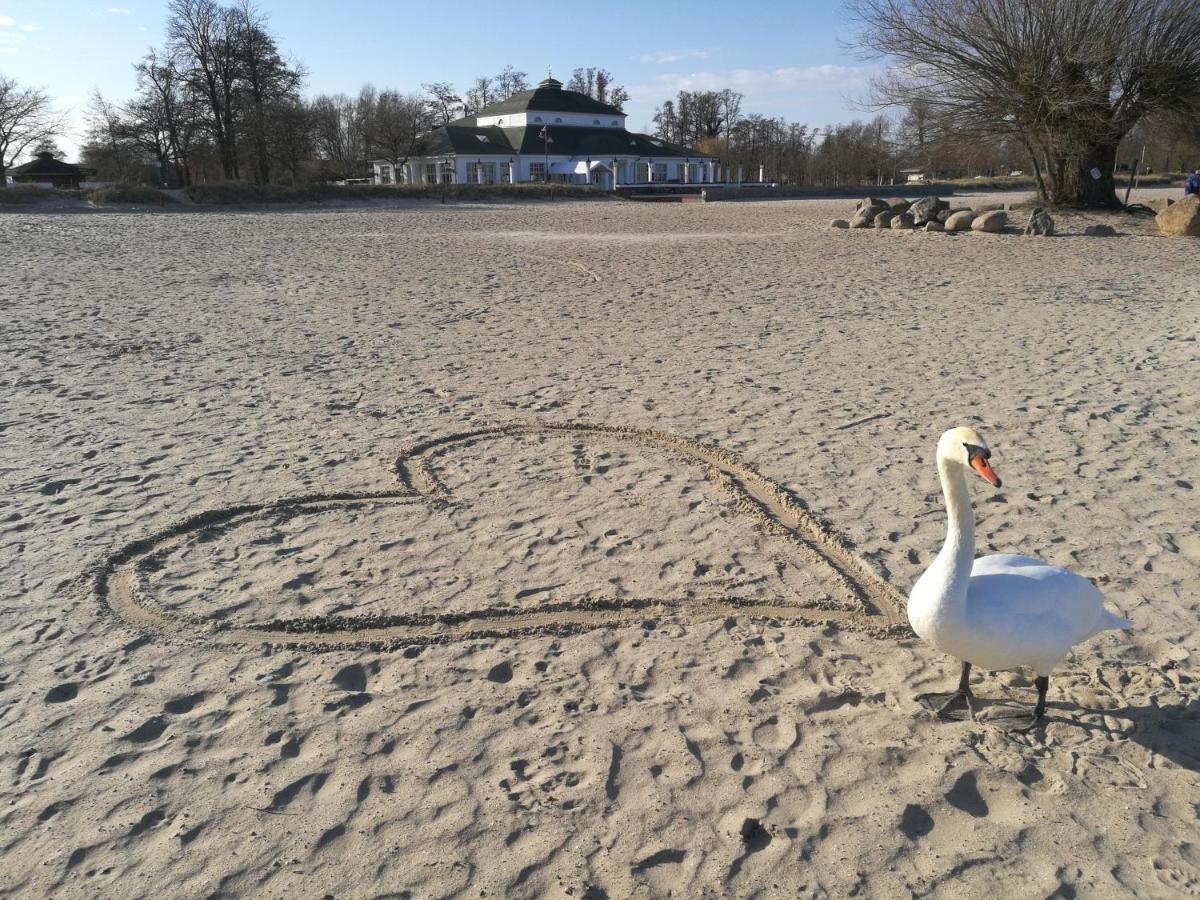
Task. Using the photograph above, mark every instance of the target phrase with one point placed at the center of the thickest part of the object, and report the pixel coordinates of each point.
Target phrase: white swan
(997, 612)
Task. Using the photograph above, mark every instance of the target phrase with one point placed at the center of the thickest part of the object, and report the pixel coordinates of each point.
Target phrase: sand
(558, 550)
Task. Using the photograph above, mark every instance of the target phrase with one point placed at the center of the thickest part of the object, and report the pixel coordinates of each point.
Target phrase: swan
(997, 612)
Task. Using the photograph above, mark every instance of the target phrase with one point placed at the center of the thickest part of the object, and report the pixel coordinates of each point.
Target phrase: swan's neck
(953, 564)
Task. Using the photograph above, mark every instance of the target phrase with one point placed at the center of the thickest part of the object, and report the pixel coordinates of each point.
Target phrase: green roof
(464, 138)
(549, 95)
(46, 164)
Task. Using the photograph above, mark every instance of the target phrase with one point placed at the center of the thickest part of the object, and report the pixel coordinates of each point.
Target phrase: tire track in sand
(868, 603)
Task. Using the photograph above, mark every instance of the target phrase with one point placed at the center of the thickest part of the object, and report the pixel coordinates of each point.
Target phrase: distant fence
(714, 192)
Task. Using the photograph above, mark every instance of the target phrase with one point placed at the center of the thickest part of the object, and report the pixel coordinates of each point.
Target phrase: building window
(660, 171)
(537, 171)
(431, 173)
(385, 174)
(537, 118)
(615, 123)
(559, 120)
(483, 173)
(595, 121)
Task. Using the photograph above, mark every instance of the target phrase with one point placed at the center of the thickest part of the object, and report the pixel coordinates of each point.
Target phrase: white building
(546, 134)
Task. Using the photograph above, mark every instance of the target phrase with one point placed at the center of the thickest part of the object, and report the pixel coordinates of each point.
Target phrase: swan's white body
(998, 612)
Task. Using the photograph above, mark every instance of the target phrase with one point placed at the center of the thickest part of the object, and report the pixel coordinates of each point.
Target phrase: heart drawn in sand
(859, 598)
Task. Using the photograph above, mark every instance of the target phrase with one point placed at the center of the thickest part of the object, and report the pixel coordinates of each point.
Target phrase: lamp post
(512, 175)
(546, 151)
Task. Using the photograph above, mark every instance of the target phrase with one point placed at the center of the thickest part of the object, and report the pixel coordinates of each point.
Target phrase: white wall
(543, 117)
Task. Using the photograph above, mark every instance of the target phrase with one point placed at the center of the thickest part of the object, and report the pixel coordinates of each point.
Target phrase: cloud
(662, 57)
(31, 28)
(117, 10)
(7, 21)
(10, 41)
(763, 82)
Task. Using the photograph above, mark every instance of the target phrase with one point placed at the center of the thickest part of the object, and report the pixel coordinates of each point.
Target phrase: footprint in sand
(860, 598)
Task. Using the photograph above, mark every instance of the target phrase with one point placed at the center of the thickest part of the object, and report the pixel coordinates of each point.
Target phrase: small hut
(45, 169)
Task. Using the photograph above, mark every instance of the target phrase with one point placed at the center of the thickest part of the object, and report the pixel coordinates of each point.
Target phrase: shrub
(228, 193)
(27, 195)
(129, 193)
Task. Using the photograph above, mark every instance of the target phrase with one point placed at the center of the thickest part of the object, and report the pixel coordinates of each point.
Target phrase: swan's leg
(961, 696)
(1042, 682)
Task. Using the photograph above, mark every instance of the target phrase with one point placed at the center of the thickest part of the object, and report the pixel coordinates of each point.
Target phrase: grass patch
(28, 195)
(232, 193)
(129, 193)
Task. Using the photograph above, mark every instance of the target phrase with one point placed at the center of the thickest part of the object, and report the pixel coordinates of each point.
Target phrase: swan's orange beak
(985, 471)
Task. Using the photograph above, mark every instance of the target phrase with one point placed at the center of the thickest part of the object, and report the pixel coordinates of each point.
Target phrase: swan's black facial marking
(974, 451)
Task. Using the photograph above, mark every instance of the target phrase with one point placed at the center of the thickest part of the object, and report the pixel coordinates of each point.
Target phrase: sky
(786, 58)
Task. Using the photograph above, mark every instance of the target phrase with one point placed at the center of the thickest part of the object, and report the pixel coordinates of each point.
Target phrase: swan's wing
(999, 563)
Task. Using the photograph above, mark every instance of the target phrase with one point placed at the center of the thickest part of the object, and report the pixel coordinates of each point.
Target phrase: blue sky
(785, 57)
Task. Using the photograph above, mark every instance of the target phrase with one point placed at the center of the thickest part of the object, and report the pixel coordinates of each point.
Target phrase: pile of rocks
(929, 214)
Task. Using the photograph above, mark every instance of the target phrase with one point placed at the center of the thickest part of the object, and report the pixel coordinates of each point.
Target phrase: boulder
(883, 219)
(1181, 219)
(1039, 223)
(839, 223)
(1158, 204)
(942, 205)
(924, 209)
(960, 220)
(871, 201)
(866, 215)
(981, 208)
(898, 204)
(1100, 231)
(934, 225)
(945, 214)
(990, 222)
(902, 221)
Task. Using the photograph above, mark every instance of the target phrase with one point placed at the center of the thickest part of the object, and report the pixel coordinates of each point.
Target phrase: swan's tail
(1110, 622)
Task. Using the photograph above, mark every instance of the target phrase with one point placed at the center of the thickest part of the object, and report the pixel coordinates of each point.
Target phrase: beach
(386, 553)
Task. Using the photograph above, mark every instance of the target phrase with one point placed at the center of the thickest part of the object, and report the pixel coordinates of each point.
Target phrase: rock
(902, 221)
(872, 201)
(945, 214)
(960, 220)
(934, 225)
(990, 222)
(898, 204)
(1102, 231)
(924, 209)
(866, 215)
(1039, 223)
(883, 219)
(1159, 203)
(942, 205)
(839, 223)
(1181, 219)
(981, 208)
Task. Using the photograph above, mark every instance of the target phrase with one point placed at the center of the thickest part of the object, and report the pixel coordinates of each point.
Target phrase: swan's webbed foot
(958, 698)
(1037, 718)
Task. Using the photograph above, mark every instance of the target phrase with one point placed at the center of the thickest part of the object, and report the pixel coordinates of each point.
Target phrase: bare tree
(480, 94)
(205, 36)
(162, 84)
(397, 122)
(510, 82)
(598, 84)
(1066, 78)
(26, 119)
(443, 103)
(264, 81)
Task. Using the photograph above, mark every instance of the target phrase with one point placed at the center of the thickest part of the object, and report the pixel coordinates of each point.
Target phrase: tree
(161, 83)
(479, 95)
(26, 119)
(598, 84)
(443, 104)
(510, 82)
(264, 82)
(1068, 79)
(204, 36)
(397, 121)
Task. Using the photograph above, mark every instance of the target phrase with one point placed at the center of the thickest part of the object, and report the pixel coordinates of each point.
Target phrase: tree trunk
(1087, 178)
(3, 175)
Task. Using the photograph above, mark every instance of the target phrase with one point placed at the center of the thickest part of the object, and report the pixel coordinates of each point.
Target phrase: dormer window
(615, 123)
(595, 121)
(537, 118)
(482, 138)
(559, 120)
